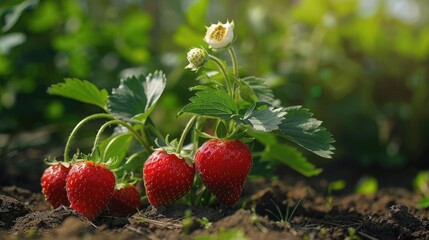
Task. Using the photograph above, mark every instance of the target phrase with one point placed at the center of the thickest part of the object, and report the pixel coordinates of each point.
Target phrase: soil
(388, 214)
(292, 207)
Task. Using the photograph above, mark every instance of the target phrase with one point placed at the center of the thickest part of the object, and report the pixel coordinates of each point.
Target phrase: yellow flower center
(219, 33)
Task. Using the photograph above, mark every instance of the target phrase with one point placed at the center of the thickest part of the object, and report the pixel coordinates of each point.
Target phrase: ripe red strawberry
(223, 166)
(166, 178)
(89, 188)
(124, 201)
(53, 183)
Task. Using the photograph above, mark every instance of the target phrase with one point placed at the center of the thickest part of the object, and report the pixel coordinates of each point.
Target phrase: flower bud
(197, 57)
(219, 35)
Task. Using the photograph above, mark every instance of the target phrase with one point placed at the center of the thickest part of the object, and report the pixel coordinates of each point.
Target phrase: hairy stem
(139, 138)
(185, 132)
(234, 61)
(224, 73)
(78, 126)
(195, 136)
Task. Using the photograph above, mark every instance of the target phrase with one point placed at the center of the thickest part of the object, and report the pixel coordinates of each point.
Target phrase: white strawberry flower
(197, 57)
(220, 35)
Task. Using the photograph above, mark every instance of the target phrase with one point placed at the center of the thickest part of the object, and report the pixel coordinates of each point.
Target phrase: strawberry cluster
(88, 188)
(223, 166)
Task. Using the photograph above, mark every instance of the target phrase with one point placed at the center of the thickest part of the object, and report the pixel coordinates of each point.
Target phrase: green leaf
(80, 90)
(136, 161)
(116, 147)
(263, 137)
(264, 118)
(136, 97)
(256, 87)
(290, 156)
(299, 126)
(211, 102)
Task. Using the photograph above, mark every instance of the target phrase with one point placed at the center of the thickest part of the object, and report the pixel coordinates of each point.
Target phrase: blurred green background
(361, 66)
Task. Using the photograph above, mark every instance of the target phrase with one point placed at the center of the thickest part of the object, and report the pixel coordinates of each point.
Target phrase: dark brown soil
(10, 210)
(389, 214)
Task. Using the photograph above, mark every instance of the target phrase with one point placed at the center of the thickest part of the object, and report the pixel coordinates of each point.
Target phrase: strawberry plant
(228, 115)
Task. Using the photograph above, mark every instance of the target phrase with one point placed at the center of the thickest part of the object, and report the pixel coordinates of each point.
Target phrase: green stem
(185, 132)
(153, 130)
(126, 125)
(145, 136)
(206, 195)
(133, 156)
(234, 61)
(257, 154)
(195, 136)
(224, 72)
(78, 126)
(233, 129)
(218, 121)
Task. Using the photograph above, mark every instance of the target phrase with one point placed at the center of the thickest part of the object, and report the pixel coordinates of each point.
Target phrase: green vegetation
(367, 185)
(286, 216)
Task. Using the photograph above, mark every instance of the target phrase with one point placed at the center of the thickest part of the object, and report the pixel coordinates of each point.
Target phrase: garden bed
(388, 214)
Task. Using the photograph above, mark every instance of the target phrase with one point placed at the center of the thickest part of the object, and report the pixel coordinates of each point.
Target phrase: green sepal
(51, 161)
(221, 130)
(125, 179)
(171, 148)
(203, 134)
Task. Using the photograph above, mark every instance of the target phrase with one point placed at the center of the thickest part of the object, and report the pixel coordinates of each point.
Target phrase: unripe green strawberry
(166, 178)
(89, 188)
(124, 201)
(53, 183)
(197, 57)
(223, 166)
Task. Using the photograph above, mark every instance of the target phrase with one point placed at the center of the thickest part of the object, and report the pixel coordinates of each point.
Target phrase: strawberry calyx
(51, 161)
(123, 177)
(239, 133)
(171, 147)
(126, 179)
(94, 157)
